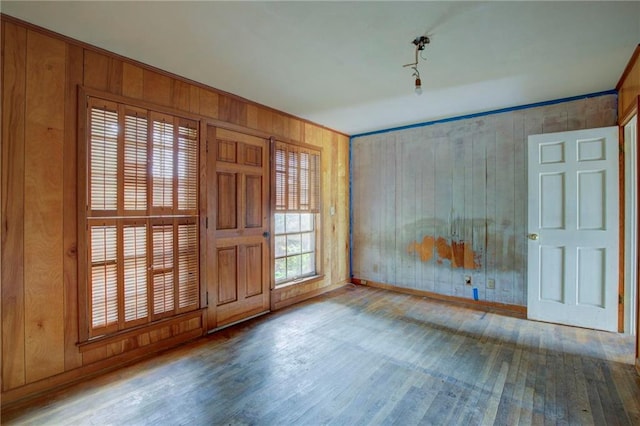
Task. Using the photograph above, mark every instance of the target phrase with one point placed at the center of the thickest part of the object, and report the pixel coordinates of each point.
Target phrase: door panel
(253, 210)
(241, 264)
(227, 262)
(227, 201)
(573, 225)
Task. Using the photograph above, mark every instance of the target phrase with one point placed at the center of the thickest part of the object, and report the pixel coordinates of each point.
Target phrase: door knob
(532, 236)
(265, 234)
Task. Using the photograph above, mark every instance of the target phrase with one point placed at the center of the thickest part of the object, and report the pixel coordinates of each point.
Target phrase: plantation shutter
(142, 216)
(103, 173)
(135, 272)
(135, 161)
(297, 178)
(103, 274)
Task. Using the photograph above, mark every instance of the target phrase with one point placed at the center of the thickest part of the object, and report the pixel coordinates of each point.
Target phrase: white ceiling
(340, 63)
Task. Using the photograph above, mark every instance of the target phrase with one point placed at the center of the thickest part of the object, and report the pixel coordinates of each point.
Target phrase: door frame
(622, 121)
(628, 289)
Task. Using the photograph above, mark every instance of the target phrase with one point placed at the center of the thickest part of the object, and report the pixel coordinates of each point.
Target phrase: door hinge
(206, 222)
(207, 146)
(620, 300)
(621, 147)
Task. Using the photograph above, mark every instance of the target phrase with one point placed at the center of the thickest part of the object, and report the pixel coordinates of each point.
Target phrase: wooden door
(573, 225)
(240, 272)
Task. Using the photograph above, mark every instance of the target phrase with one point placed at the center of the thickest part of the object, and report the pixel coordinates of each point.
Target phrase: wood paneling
(157, 88)
(13, 162)
(208, 103)
(41, 126)
(629, 104)
(132, 81)
(72, 358)
(43, 232)
(232, 110)
(436, 204)
(629, 86)
(102, 72)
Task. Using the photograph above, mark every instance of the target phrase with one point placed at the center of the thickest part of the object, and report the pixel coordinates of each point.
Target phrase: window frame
(196, 215)
(312, 207)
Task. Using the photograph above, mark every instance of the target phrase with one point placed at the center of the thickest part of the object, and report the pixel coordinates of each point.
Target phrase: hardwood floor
(366, 356)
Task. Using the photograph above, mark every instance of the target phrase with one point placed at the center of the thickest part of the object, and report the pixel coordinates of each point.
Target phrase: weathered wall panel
(436, 204)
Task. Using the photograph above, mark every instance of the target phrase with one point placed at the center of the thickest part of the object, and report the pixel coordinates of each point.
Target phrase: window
(297, 211)
(141, 215)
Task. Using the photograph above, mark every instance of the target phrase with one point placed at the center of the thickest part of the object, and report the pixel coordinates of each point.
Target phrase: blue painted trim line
(482, 114)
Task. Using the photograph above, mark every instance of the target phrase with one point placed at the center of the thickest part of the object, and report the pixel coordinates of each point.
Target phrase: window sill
(299, 281)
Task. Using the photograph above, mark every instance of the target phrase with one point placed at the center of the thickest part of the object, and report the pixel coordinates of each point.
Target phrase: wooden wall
(629, 87)
(629, 105)
(41, 73)
(433, 205)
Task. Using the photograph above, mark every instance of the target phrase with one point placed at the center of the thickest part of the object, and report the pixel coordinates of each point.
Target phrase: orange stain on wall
(459, 253)
(424, 249)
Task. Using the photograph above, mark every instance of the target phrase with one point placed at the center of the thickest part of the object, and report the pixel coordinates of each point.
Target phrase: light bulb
(418, 87)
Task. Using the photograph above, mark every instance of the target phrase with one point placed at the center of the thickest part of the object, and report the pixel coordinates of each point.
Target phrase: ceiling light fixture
(420, 43)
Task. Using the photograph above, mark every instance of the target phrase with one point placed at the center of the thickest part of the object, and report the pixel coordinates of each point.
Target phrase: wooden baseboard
(483, 305)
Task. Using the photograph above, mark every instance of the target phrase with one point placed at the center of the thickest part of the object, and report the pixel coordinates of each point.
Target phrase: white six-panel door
(573, 228)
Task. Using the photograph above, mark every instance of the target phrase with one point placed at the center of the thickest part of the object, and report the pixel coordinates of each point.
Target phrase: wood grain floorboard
(361, 356)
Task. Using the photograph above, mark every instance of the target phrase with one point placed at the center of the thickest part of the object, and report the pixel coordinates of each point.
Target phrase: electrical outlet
(467, 279)
(491, 283)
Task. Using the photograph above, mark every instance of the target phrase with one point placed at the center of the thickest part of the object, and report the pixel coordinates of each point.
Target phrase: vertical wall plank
(74, 77)
(43, 227)
(265, 122)
(520, 208)
(505, 202)
(331, 140)
(479, 210)
(444, 217)
(252, 116)
(102, 72)
(157, 88)
(232, 110)
(342, 208)
(458, 286)
(181, 95)
(388, 239)
(278, 124)
(194, 99)
(406, 210)
(132, 81)
(295, 129)
(208, 103)
(492, 232)
(13, 139)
